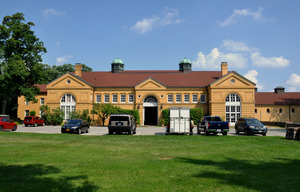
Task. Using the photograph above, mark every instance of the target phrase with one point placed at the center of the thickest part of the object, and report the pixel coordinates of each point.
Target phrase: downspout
(93, 105)
(290, 119)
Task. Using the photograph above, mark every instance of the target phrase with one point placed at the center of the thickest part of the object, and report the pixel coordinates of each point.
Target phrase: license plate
(67, 129)
(119, 123)
(218, 130)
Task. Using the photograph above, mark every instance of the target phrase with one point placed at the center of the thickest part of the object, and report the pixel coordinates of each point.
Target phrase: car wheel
(15, 128)
(225, 133)
(26, 125)
(110, 132)
(130, 131)
(79, 131)
(1, 128)
(237, 131)
(44, 124)
(198, 131)
(87, 130)
(246, 132)
(264, 134)
(206, 132)
(35, 124)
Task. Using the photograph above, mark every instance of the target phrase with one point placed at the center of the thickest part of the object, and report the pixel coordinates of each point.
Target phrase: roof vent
(185, 65)
(117, 66)
(279, 89)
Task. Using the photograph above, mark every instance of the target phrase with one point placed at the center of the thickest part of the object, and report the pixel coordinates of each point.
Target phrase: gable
(68, 81)
(233, 80)
(150, 84)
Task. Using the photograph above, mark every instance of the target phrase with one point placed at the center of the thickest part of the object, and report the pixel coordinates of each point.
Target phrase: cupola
(117, 66)
(279, 89)
(185, 65)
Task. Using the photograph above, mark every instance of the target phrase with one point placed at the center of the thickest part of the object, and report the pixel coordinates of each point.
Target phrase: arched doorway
(150, 110)
(233, 108)
(67, 105)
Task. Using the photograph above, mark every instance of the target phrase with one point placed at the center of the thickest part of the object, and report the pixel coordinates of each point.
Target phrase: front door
(150, 115)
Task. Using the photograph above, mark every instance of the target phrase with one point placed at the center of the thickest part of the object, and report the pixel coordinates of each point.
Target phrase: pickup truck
(212, 124)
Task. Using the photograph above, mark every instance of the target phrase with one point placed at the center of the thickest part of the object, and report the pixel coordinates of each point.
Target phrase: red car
(33, 120)
(6, 123)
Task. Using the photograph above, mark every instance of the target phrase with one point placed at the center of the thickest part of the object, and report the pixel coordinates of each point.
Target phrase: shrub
(32, 113)
(196, 115)
(55, 117)
(165, 116)
(81, 115)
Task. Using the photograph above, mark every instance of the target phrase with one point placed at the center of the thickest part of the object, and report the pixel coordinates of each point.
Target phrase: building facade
(223, 93)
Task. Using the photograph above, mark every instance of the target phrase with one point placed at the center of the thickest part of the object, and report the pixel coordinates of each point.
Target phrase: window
(195, 98)
(268, 110)
(42, 101)
(293, 110)
(130, 99)
(203, 99)
(280, 110)
(26, 102)
(255, 110)
(98, 98)
(186, 98)
(178, 98)
(68, 105)
(170, 98)
(114, 98)
(123, 98)
(106, 98)
(26, 113)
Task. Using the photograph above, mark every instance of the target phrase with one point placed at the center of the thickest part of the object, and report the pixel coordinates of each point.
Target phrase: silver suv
(119, 123)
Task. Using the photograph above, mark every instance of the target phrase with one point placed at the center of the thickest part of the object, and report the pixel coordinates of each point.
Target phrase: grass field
(63, 162)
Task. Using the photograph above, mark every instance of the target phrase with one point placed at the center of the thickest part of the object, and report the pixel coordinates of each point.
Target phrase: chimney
(224, 68)
(78, 69)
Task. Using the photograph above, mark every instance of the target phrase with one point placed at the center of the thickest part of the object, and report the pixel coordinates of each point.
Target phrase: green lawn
(63, 162)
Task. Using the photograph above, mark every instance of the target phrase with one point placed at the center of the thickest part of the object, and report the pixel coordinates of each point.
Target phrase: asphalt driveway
(148, 130)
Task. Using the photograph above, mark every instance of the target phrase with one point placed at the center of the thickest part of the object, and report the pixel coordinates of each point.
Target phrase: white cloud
(237, 46)
(144, 25)
(258, 60)
(215, 57)
(292, 89)
(52, 12)
(252, 76)
(294, 80)
(237, 13)
(169, 16)
(62, 60)
(57, 43)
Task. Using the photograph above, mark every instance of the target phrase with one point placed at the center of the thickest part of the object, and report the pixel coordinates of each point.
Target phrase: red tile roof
(167, 78)
(42, 87)
(269, 98)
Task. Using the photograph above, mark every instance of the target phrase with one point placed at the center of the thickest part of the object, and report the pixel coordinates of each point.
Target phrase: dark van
(119, 123)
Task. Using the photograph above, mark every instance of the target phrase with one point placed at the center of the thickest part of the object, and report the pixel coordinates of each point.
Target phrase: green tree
(104, 110)
(32, 113)
(20, 52)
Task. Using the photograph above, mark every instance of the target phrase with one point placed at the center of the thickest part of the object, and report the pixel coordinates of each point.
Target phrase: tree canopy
(20, 63)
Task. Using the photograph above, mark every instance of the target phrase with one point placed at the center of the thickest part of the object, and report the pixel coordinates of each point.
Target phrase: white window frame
(130, 98)
(42, 99)
(26, 113)
(106, 98)
(203, 98)
(123, 100)
(170, 98)
(26, 102)
(98, 98)
(195, 98)
(178, 98)
(186, 98)
(114, 98)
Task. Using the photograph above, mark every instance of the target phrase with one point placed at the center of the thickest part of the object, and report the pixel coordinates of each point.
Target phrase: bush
(55, 117)
(165, 117)
(196, 115)
(81, 115)
(32, 113)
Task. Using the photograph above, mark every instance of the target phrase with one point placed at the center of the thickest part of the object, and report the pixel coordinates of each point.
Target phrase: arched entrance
(67, 105)
(150, 110)
(233, 108)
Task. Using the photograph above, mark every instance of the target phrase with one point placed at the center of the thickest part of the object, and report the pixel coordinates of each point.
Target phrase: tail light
(208, 124)
(228, 125)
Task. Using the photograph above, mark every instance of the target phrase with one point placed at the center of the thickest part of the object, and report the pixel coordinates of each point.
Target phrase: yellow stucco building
(223, 93)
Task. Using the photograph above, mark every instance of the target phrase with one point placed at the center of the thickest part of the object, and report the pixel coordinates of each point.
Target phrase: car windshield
(213, 119)
(254, 122)
(74, 121)
(119, 118)
(28, 118)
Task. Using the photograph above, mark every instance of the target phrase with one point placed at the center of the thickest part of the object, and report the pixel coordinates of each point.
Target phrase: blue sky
(258, 39)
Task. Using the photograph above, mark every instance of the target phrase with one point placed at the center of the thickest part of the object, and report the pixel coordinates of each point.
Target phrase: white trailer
(180, 121)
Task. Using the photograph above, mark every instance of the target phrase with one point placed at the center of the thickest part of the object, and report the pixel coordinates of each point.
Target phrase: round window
(68, 82)
(232, 81)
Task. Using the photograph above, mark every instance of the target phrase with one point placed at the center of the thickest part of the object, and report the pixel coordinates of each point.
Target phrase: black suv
(250, 126)
(121, 123)
(75, 126)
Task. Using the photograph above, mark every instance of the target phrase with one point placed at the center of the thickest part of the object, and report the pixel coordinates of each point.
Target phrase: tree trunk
(3, 111)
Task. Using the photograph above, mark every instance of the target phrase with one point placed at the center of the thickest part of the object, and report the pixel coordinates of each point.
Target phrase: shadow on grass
(35, 178)
(278, 175)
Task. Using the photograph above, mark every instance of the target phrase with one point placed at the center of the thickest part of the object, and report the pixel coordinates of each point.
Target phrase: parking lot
(147, 130)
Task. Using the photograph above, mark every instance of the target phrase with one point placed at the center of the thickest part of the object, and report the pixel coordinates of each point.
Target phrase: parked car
(250, 126)
(121, 123)
(34, 121)
(212, 124)
(6, 124)
(75, 126)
